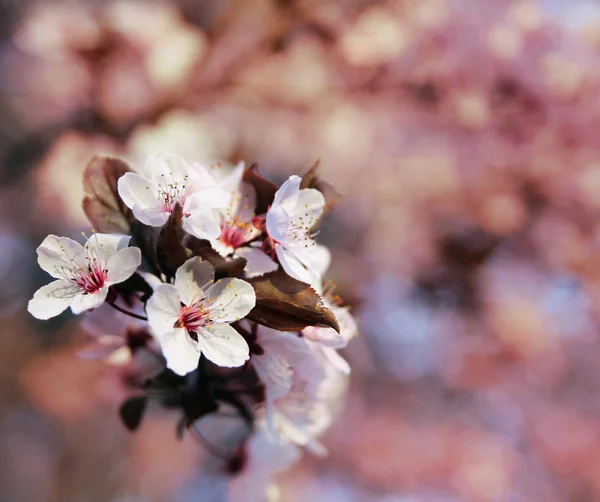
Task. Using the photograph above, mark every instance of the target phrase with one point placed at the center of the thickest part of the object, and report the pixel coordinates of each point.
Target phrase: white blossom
(301, 387)
(289, 223)
(193, 316)
(83, 273)
(164, 184)
(236, 218)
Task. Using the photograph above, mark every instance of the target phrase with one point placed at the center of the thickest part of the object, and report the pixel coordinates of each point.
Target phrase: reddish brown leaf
(265, 190)
(224, 267)
(102, 204)
(287, 304)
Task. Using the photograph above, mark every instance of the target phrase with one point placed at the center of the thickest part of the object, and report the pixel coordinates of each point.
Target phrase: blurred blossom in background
(464, 136)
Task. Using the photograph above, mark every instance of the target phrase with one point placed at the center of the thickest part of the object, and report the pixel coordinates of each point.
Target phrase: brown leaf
(102, 204)
(224, 267)
(170, 251)
(265, 190)
(286, 304)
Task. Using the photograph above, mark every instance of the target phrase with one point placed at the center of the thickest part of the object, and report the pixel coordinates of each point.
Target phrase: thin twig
(126, 312)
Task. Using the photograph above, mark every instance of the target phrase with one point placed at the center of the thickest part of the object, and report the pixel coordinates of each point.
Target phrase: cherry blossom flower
(236, 218)
(83, 273)
(302, 387)
(153, 196)
(283, 354)
(192, 317)
(289, 222)
(328, 339)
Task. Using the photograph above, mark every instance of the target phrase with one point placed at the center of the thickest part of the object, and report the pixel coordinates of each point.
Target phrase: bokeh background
(465, 137)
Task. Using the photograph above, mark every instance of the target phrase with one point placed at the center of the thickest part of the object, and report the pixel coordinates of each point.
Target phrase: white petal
(287, 195)
(223, 345)
(243, 201)
(57, 255)
(203, 200)
(336, 360)
(347, 322)
(315, 258)
(326, 336)
(109, 243)
(192, 278)
(163, 308)
(181, 352)
(283, 353)
(83, 302)
(122, 265)
(258, 262)
(308, 209)
(166, 168)
(203, 225)
(223, 249)
(310, 199)
(201, 177)
(141, 196)
(229, 300)
(292, 266)
(277, 223)
(52, 299)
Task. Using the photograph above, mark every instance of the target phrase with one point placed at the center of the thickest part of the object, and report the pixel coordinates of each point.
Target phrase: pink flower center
(90, 280)
(171, 194)
(192, 318)
(236, 233)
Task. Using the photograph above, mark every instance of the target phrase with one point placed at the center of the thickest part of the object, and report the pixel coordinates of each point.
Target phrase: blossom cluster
(219, 282)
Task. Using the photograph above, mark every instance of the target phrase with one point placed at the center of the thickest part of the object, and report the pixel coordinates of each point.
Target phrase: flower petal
(206, 199)
(122, 265)
(315, 258)
(287, 195)
(166, 168)
(52, 299)
(109, 243)
(58, 255)
(163, 308)
(336, 360)
(181, 352)
(229, 300)
(326, 336)
(258, 262)
(277, 223)
(292, 266)
(203, 226)
(140, 195)
(87, 301)
(223, 345)
(310, 199)
(193, 278)
(308, 209)
(221, 248)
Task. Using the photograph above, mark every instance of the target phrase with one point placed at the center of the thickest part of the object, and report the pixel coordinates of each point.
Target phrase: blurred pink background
(465, 137)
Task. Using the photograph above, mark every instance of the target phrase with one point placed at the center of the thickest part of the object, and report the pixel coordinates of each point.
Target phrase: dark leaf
(312, 180)
(132, 411)
(286, 304)
(102, 204)
(197, 399)
(224, 267)
(171, 252)
(265, 190)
